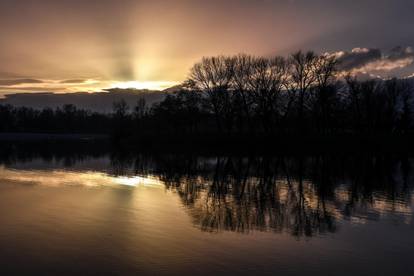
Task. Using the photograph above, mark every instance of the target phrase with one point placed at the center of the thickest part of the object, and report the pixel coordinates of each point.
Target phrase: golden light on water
(58, 178)
(136, 181)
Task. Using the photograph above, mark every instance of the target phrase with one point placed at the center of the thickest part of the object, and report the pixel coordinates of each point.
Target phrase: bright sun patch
(150, 85)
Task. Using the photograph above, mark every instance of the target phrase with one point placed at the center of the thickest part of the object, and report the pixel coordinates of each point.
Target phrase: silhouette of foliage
(244, 96)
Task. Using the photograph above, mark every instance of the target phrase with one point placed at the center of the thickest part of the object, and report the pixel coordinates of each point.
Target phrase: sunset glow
(153, 44)
(150, 85)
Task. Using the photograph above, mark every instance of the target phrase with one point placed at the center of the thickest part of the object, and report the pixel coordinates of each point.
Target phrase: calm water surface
(172, 214)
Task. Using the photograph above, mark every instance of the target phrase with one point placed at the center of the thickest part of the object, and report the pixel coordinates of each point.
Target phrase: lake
(170, 214)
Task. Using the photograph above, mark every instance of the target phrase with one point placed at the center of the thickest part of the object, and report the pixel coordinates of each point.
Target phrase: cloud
(358, 57)
(374, 61)
(386, 65)
(32, 88)
(72, 81)
(55, 85)
(19, 81)
(400, 53)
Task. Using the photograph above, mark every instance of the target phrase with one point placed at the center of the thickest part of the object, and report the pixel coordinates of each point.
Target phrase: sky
(89, 45)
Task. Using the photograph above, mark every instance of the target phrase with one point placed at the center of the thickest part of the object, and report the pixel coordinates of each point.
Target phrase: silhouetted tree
(302, 77)
(213, 76)
(325, 98)
(121, 121)
(266, 84)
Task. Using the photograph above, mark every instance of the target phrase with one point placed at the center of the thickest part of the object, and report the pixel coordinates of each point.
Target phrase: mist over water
(168, 214)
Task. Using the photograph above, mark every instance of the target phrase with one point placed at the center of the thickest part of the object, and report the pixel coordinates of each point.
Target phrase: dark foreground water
(214, 215)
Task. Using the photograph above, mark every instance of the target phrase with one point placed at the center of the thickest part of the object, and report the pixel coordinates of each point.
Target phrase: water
(208, 215)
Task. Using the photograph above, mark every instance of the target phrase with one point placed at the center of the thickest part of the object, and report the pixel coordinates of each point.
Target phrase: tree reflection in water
(303, 196)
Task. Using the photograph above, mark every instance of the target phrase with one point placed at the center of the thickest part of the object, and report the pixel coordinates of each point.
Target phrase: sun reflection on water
(137, 181)
(57, 178)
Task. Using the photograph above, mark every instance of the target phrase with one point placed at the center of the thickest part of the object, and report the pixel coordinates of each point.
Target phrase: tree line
(245, 95)
(66, 119)
(302, 94)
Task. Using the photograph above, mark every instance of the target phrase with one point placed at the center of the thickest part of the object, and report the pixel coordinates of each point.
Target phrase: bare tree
(243, 101)
(266, 83)
(325, 92)
(214, 76)
(302, 77)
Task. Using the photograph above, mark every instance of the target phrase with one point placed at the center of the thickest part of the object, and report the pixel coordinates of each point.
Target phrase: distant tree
(120, 109)
(70, 115)
(121, 124)
(7, 118)
(140, 110)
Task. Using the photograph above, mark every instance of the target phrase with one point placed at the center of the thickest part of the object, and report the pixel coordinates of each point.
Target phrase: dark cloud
(400, 53)
(364, 60)
(19, 81)
(31, 89)
(358, 57)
